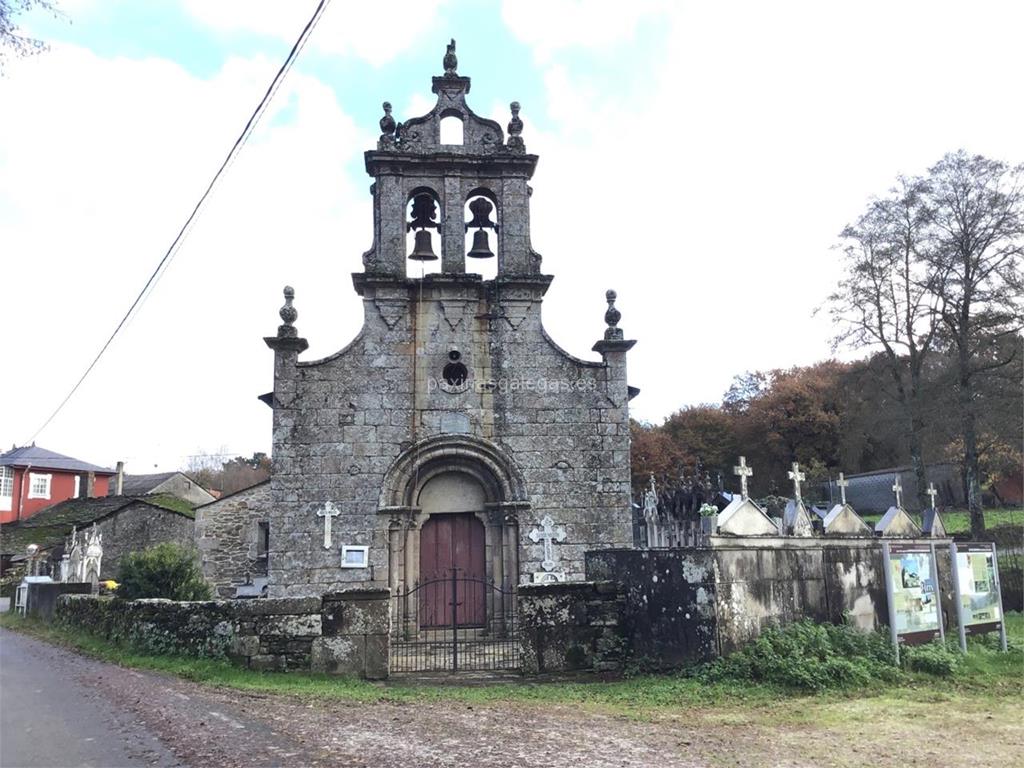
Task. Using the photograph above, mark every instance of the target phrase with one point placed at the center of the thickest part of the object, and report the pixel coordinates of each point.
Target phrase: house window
(6, 488)
(38, 486)
(78, 486)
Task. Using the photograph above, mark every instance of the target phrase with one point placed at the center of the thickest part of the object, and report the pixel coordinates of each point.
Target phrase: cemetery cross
(932, 493)
(797, 477)
(842, 482)
(898, 490)
(744, 472)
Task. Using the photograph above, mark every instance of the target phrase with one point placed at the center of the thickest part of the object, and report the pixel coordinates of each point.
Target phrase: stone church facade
(452, 432)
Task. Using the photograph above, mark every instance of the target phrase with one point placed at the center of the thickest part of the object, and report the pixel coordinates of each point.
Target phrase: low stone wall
(342, 633)
(575, 626)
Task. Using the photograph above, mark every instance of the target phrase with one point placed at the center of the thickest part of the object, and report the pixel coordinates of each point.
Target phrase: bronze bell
(422, 249)
(481, 247)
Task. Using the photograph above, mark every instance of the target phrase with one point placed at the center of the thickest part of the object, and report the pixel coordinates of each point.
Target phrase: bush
(166, 570)
(809, 656)
(933, 658)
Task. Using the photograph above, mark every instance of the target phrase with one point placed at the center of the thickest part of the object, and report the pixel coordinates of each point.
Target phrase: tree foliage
(167, 570)
(236, 474)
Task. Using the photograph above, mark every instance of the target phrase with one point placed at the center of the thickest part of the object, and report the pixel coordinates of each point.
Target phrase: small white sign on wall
(355, 557)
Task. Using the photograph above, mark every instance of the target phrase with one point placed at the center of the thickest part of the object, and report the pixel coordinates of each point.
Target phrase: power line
(240, 142)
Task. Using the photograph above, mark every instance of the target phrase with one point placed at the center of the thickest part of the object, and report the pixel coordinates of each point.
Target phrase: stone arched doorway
(452, 475)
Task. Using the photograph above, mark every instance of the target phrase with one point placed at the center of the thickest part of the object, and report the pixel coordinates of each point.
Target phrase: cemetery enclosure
(657, 608)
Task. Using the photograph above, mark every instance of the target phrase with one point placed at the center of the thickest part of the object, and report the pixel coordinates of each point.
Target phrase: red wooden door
(447, 542)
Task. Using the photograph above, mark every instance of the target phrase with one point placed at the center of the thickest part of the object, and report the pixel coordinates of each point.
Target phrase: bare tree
(12, 41)
(888, 298)
(976, 209)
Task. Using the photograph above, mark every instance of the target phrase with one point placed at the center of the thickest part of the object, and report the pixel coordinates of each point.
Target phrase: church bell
(481, 247)
(422, 249)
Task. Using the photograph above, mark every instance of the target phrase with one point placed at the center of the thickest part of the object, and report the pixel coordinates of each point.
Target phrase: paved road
(50, 717)
(59, 710)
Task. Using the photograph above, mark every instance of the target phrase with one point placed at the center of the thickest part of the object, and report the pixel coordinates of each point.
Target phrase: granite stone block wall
(572, 627)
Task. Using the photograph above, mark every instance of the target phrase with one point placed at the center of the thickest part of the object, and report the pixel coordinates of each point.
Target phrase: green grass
(959, 520)
(985, 674)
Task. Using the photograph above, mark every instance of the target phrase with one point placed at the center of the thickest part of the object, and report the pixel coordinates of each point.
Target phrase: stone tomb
(743, 517)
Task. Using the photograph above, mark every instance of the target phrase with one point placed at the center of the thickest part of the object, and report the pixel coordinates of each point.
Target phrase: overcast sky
(698, 157)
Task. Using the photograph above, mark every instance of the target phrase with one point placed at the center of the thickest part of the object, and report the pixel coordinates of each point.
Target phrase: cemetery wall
(41, 599)
(343, 633)
(227, 536)
(572, 627)
(684, 605)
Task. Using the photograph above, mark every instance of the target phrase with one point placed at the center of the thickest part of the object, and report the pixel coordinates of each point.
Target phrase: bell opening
(423, 214)
(481, 234)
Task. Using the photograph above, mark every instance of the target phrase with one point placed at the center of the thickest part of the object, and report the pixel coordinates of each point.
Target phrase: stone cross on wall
(549, 534)
(327, 513)
(898, 490)
(797, 477)
(932, 493)
(744, 472)
(842, 482)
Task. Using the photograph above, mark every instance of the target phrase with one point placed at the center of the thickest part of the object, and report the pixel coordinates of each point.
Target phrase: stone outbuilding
(452, 432)
(232, 537)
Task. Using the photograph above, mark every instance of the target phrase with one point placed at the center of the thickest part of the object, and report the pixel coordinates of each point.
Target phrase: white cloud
(366, 30)
(556, 25)
(96, 177)
(710, 194)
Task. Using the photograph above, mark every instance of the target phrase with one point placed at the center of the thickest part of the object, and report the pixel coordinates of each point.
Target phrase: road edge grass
(985, 674)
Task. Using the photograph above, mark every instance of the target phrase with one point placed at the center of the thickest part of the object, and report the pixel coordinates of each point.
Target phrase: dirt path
(201, 726)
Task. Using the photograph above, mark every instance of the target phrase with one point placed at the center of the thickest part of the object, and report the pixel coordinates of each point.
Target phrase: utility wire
(240, 142)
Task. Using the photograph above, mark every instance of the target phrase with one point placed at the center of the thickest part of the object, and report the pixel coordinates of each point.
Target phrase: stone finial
(387, 123)
(288, 315)
(515, 129)
(451, 62)
(612, 317)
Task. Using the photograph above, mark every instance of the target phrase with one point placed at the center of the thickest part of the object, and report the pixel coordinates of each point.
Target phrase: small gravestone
(796, 521)
(931, 521)
(842, 519)
(896, 522)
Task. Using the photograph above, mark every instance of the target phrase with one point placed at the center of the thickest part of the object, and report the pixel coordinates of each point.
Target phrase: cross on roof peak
(932, 493)
(898, 490)
(841, 484)
(797, 477)
(744, 472)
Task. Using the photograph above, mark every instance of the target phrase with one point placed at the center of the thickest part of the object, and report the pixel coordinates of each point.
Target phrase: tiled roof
(137, 485)
(51, 526)
(31, 455)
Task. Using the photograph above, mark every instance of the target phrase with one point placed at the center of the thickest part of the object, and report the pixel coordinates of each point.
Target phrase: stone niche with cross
(842, 519)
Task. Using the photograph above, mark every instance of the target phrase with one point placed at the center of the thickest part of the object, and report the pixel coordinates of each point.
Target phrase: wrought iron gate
(454, 624)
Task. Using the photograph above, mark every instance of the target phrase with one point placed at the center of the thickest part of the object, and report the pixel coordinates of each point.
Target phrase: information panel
(977, 582)
(915, 609)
